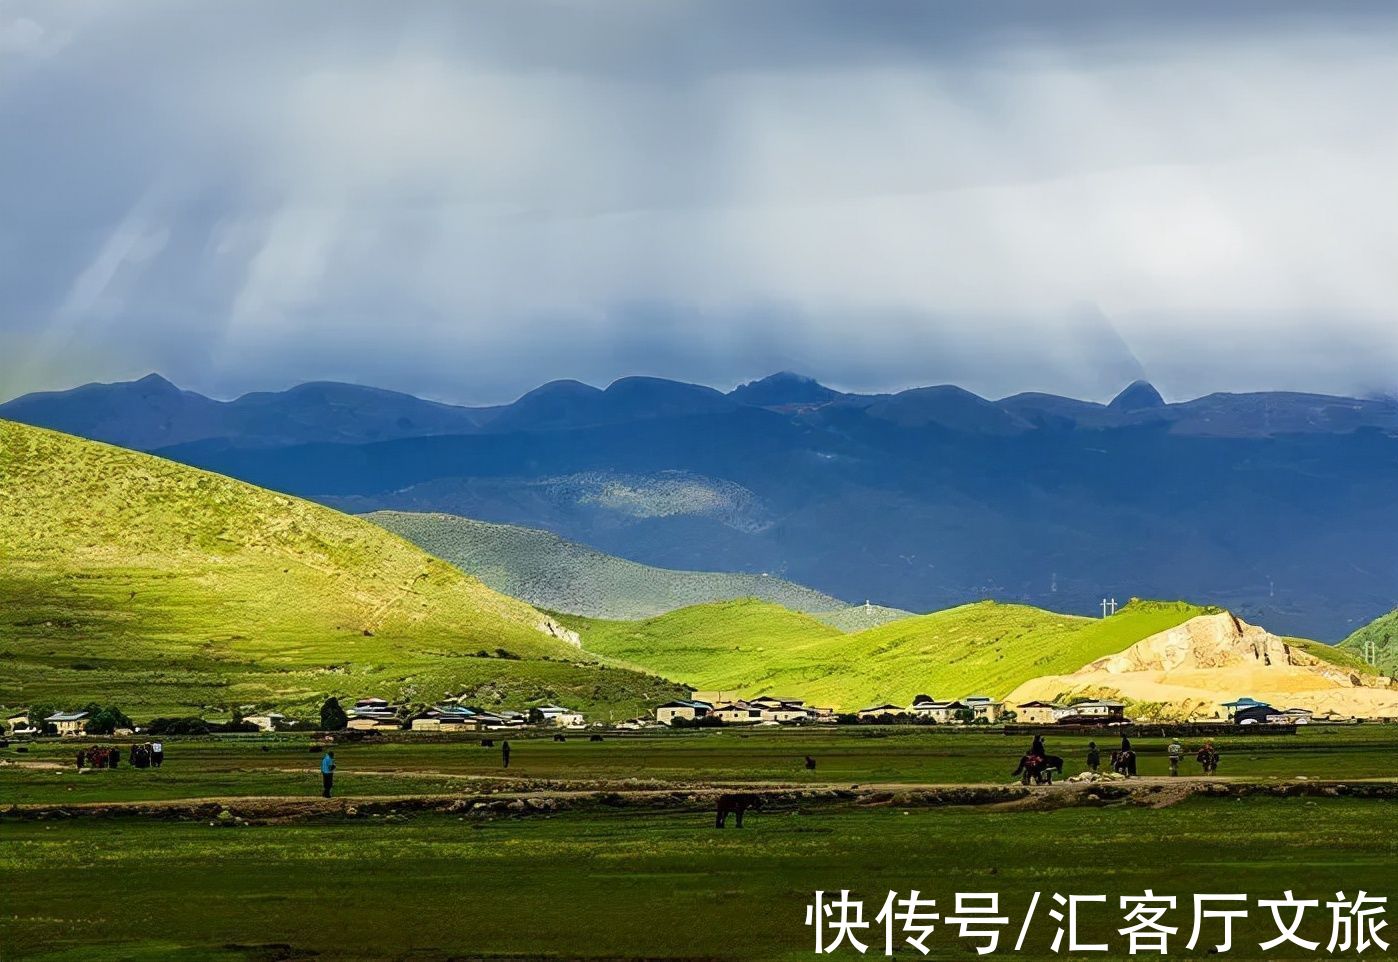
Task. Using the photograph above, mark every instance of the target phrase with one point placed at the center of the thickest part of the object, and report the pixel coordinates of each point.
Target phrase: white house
(1040, 712)
(68, 722)
(886, 710)
(1098, 709)
(560, 717)
(781, 710)
(686, 708)
(985, 707)
(18, 724)
(941, 712)
(738, 713)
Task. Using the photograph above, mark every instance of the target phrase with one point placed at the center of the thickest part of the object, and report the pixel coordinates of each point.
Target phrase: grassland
(606, 882)
(561, 575)
(984, 648)
(133, 580)
(282, 766)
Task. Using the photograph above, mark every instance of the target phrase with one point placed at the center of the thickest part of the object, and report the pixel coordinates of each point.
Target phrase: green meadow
(285, 765)
(629, 884)
(135, 581)
(985, 648)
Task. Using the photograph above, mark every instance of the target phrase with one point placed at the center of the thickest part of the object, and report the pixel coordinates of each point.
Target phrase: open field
(631, 884)
(281, 765)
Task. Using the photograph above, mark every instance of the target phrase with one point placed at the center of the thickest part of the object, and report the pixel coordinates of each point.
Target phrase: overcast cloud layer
(463, 200)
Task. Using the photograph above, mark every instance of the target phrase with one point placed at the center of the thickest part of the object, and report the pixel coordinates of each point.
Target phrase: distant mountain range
(1279, 506)
(557, 575)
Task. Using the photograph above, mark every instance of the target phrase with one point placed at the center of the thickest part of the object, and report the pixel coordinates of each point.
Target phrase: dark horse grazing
(1038, 768)
(737, 804)
(1124, 762)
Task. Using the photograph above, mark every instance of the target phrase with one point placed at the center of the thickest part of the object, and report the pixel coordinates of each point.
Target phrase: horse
(560, 738)
(810, 764)
(1124, 762)
(594, 738)
(737, 805)
(1038, 768)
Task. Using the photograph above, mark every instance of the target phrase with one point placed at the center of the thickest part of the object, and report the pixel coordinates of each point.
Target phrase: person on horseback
(1037, 752)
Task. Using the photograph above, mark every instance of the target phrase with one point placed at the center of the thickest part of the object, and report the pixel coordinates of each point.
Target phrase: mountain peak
(1137, 396)
(784, 387)
(153, 381)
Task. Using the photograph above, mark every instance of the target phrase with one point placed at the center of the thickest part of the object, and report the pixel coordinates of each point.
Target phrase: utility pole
(1371, 653)
(1108, 607)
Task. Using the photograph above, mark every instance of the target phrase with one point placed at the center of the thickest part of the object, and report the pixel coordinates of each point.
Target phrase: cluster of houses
(971, 710)
(727, 708)
(1098, 711)
(377, 714)
(723, 708)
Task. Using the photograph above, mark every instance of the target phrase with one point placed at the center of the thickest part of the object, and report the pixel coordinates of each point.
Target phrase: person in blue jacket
(327, 772)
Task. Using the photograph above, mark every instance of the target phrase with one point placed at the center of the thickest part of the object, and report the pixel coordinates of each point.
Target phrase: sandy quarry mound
(1191, 669)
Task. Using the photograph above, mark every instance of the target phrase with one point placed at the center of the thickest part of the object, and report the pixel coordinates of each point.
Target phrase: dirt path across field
(1153, 792)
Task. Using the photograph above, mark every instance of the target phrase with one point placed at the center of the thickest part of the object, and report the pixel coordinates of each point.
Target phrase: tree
(964, 715)
(332, 716)
(104, 721)
(37, 714)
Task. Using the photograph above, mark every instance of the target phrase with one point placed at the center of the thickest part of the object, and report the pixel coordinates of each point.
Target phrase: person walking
(1094, 757)
(1176, 751)
(505, 754)
(327, 772)
(82, 757)
(114, 759)
(157, 754)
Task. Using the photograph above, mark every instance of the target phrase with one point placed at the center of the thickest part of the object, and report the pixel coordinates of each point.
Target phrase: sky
(464, 200)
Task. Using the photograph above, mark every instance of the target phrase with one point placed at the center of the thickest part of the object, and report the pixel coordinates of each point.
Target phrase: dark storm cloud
(466, 200)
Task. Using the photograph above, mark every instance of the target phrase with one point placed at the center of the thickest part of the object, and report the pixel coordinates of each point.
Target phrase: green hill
(1383, 633)
(133, 580)
(984, 648)
(558, 575)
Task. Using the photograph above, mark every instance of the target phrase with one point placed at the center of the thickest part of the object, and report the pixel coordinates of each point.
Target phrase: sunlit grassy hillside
(1382, 635)
(134, 580)
(984, 648)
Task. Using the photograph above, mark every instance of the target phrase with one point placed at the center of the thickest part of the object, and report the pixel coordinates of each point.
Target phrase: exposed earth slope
(1195, 667)
(545, 570)
(133, 580)
(984, 648)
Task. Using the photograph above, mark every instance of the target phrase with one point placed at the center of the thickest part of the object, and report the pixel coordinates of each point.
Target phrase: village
(702, 709)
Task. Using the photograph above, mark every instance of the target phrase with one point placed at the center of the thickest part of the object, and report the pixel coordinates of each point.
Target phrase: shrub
(179, 726)
(332, 716)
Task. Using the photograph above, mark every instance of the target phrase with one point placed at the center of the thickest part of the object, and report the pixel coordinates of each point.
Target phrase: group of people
(1124, 758)
(148, 755)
